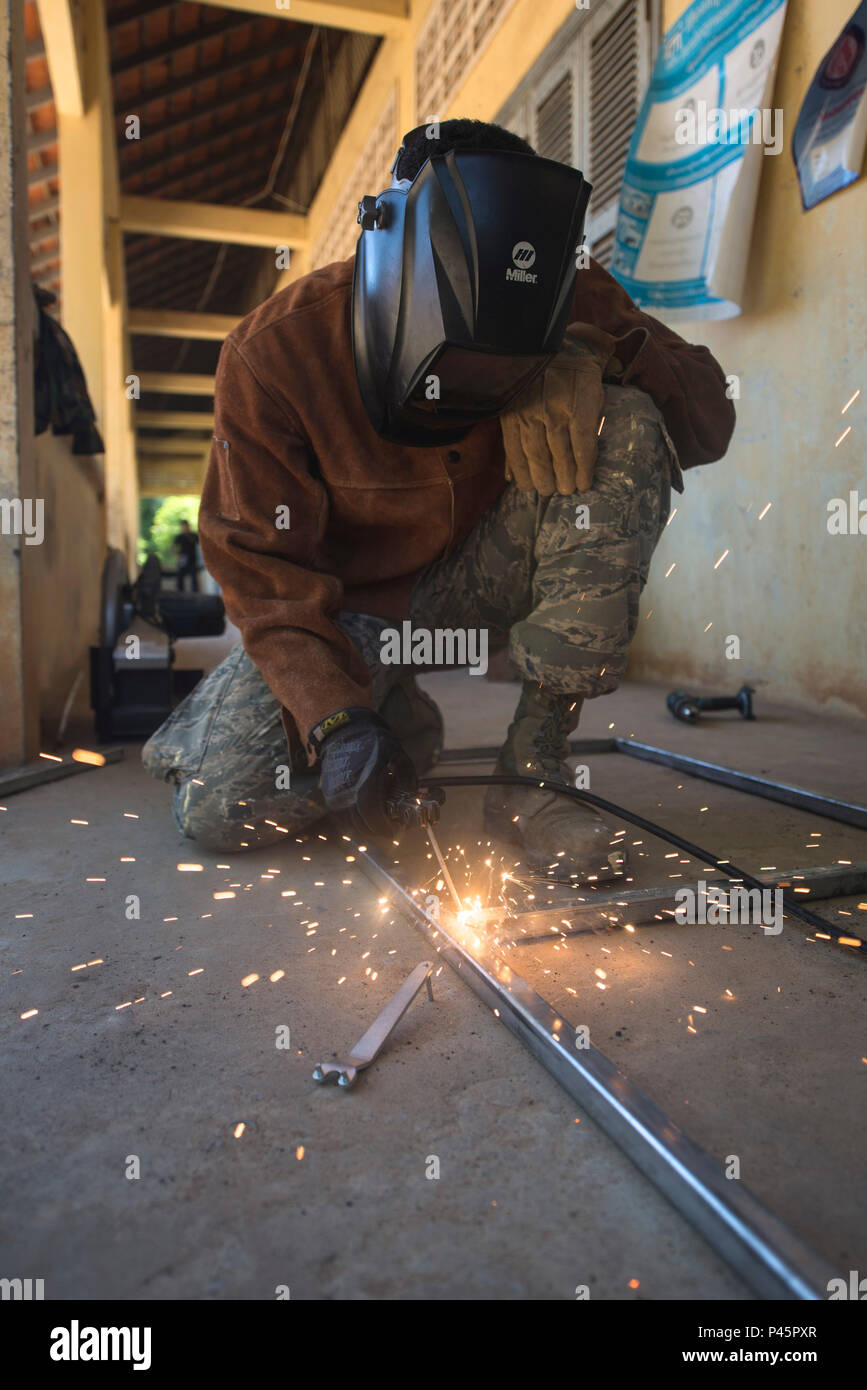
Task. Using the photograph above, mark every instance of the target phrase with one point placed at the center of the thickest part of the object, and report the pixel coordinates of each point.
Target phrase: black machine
(133, 686)
(462, 290)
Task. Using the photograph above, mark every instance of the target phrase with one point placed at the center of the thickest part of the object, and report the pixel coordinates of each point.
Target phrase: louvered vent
(370, 174)
(451, 39)
(554, 123)
(614, 101)
(603, 249)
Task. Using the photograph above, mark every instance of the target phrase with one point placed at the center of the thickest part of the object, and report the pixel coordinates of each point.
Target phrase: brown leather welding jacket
(306, 510)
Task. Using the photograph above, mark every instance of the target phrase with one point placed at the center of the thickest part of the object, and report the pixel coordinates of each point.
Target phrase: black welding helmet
(462, 288)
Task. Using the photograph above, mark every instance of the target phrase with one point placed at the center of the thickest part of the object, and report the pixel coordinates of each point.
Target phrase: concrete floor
(160, 1050)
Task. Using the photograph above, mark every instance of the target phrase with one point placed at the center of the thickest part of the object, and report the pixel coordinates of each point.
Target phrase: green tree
(147, 507)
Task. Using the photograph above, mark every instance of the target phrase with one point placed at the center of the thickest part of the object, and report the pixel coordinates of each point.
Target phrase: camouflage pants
(554, 580)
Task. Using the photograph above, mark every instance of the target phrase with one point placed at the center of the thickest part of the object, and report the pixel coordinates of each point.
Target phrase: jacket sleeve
(258, 479)
(684, 380)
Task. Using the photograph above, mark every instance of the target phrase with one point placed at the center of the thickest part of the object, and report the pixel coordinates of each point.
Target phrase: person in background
(185, 544)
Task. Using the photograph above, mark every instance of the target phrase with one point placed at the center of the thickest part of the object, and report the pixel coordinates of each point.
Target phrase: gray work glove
(363, 766)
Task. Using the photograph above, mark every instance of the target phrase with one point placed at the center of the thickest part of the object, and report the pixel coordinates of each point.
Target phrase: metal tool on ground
(687, 708)
(368, 1047)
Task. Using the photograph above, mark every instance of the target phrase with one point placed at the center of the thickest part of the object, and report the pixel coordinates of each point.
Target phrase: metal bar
(823, 928)
(844, 811)
(435, 846)
(642, 906)
(20, 779)
(489, 754)
(757, 1245)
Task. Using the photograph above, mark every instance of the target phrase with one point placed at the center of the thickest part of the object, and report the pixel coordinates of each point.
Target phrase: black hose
(731, 871)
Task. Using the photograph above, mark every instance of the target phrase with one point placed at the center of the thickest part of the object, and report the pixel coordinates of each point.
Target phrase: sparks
(84, 755)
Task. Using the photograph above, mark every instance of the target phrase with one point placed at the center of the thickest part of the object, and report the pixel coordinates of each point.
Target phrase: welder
(467, 425)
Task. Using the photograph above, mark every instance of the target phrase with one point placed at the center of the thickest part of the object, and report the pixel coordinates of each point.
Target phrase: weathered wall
(18, 713)
(792, 593)
(66, 597)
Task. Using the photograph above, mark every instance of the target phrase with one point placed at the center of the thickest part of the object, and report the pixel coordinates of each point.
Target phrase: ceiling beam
(174, 419)
(207, 177)
(43, 234)
(41, 175)
(41, 140)
(42, 263)
(40, 96)
(59, 21)
(179, 445)
(169, 323)
(359, 16)
(212, 222)
(188, 81)
(159, 477)
(152, 131)
(49, 204)
(261, 119)
(138, 9)
(149, 289)
(177, 383)
(180, 43)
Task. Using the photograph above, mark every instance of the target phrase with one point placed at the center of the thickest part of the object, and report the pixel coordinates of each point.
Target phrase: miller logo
(523, 256)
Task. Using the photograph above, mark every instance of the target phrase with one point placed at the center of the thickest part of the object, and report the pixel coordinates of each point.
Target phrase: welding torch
(422, 808)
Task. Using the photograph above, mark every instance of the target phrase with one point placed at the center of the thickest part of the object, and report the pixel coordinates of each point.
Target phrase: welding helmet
(462, 288)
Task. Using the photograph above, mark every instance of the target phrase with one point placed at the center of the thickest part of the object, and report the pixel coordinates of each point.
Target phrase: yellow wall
(793, 594)
(67, 583)
(788, 590)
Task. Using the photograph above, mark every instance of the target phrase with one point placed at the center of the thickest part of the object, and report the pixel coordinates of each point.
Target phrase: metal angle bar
(827, 806)
(754, 1242)
(489, 754)
(20, 779)
(642, 906)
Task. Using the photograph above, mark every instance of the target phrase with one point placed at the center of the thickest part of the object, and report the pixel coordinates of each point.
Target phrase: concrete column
(19, 702)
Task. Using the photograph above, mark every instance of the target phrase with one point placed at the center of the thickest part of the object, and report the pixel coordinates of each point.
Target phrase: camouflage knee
(264, 817)
(593, 553)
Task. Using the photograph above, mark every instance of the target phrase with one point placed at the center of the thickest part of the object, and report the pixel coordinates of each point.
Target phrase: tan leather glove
(550, 430)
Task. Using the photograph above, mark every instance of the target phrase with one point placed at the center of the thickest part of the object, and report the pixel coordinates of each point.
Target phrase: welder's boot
(557, 836)
(415, 719)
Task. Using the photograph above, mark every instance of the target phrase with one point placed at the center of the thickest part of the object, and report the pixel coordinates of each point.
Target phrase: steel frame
(830, 807)
(754, 1242)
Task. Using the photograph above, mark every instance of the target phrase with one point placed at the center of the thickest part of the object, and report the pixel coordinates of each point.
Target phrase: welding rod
(434, 843)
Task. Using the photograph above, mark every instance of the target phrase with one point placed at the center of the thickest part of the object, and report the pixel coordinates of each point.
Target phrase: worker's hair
(463, 134)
